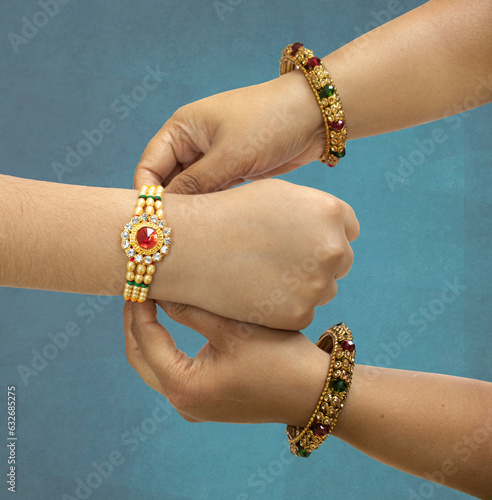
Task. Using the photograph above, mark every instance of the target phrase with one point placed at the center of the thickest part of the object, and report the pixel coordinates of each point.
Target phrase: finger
(217, 168)
(155, 343)
(345, 263)
(133, 354)
(215, 328)
(329, 293)
(352, 227)
(169, 149)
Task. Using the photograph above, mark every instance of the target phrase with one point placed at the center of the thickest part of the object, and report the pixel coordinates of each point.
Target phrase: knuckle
(184, 399)
(175, 310)
(300, 316)
(334, 206)
(187, 418)
(186, 183)
(331, 291)
(130, 360)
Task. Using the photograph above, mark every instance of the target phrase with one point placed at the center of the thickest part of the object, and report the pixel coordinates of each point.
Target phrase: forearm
(426, 64)
(433, 426)
(432, 62)
(67, 238)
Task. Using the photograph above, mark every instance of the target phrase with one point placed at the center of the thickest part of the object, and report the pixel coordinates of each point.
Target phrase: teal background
(421, 229)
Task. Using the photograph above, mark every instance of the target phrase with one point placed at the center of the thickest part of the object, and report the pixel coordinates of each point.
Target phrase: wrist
(308, 387)
(171, 272)
(303, 110)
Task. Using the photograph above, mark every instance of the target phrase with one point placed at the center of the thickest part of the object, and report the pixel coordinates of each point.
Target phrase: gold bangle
(338, 342)
(146, 240)
(296, 56)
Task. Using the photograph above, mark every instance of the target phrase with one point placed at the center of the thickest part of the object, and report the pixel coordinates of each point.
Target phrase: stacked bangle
(296, 56)
(146, 240)
(338, 342)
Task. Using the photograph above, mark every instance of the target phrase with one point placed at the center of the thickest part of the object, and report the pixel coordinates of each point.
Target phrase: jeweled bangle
(296, 56)
(338, 342)
(146, 240)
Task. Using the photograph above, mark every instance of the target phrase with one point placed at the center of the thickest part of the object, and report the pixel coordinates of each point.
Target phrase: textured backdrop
(422, 197)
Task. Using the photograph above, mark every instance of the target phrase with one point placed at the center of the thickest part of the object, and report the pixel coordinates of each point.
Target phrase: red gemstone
(295, 48)
(147, 238)
(321, 429)
(348, 345)
(338, 125)
(313, 62)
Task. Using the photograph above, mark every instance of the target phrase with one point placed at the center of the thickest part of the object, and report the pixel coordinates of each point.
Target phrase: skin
(251, 374)
(430, 63)
(224, 254)
(393, 77)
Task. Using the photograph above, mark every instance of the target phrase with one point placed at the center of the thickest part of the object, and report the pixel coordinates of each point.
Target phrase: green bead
(338, 385)
(338, 154)
(130, 282)
(157, 198)
(143, 196)
(339, 324)
(326, 91)
(143, 285)
(303, 452)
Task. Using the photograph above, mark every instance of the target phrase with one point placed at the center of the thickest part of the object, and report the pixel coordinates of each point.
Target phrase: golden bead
(141, 300)
(130, 266)
(144, 189)
(138, 278)
(141, 202)
(149, 201)
(159, 190)
(138, 211)
(158, 204)
(160, 214)
(147, 279)
(151, 191)
(141, 269)
(151, 269)
(130, 276)
(149, 209)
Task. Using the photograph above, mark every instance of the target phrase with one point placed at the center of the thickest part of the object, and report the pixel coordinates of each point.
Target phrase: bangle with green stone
(338, 342)
(296, 56)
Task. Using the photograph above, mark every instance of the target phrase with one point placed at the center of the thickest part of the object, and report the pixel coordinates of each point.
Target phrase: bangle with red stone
(296, 56)
(338, 342)
(146, 240)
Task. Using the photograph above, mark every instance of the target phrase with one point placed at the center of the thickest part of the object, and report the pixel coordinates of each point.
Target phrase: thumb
(210, 173)
(219, 330)
(154, 341)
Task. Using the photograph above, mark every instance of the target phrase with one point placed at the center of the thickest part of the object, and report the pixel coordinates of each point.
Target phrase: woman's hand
(267, 252)
(245, 134)
(244, 373)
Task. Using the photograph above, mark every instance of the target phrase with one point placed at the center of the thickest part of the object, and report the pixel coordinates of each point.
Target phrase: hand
(267, 252)
(244, 373)
(245, 134)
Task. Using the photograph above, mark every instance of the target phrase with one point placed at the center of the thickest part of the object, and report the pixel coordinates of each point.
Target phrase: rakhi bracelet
(296, 56)
(146, 240)
(338, 342)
